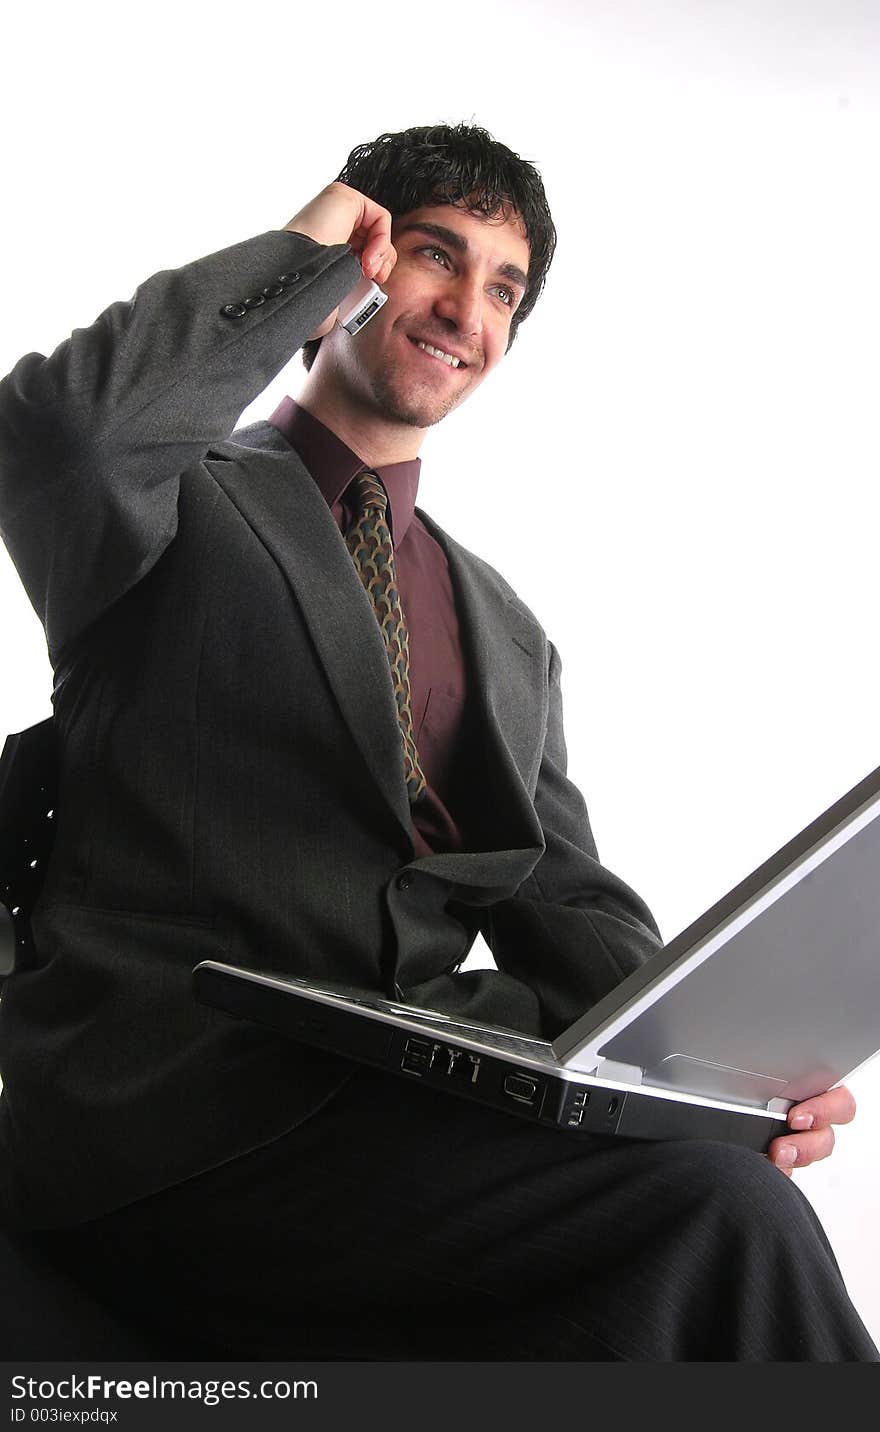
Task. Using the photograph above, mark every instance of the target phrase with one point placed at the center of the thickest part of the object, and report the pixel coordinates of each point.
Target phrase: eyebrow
(458, 242)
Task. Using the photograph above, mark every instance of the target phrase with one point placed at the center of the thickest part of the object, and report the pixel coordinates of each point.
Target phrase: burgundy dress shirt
(436, 670)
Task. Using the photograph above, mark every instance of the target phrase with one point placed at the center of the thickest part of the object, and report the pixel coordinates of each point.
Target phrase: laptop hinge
(620, 1073)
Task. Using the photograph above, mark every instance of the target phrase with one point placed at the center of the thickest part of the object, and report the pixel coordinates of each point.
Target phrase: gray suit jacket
(231, 770)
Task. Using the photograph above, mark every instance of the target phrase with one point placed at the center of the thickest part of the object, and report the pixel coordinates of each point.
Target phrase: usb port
(415, 1056)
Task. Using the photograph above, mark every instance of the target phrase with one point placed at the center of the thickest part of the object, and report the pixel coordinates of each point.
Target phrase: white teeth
(438, 353)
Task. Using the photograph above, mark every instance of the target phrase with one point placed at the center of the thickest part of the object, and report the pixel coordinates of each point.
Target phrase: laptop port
(415, 1056)
(413, 1064)
(521, 1088)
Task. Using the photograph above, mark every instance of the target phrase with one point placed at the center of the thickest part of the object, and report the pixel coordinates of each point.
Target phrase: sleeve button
(404, 882)
(254, 301)
(233, 310)
(286, 279)
(273, 290)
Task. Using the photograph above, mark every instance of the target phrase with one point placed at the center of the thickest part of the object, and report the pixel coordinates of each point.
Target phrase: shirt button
(404, 882)
(233, 310)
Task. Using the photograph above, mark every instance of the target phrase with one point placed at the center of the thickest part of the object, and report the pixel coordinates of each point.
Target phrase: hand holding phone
(342, 215)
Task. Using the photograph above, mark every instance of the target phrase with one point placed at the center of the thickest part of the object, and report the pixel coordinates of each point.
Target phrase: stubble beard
(401, 396)
(416, 410)
(391, 389)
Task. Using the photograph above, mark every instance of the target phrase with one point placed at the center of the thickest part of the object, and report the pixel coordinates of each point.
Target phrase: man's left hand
(812, 1137)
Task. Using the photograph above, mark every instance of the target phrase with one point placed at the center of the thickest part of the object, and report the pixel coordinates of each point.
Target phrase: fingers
(342, 215)
(792, 1151)
(371, 240)
(378, 263)
(837, 1106)
(812, 1135)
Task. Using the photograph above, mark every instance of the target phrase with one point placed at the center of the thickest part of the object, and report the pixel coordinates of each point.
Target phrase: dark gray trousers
(400, 1223)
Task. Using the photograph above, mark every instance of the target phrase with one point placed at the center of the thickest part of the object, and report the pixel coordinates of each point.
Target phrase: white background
(679, 456)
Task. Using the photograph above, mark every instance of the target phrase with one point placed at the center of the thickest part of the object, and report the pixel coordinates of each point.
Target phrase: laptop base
(574, 1103)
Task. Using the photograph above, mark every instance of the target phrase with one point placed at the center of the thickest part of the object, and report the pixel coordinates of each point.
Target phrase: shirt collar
(333, 465)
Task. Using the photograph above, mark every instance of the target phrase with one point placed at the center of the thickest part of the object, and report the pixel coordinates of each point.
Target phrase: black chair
(43, 1312)
(28, 792)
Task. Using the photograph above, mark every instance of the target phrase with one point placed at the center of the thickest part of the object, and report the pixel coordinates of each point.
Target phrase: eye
(440, 254)
(508, 296)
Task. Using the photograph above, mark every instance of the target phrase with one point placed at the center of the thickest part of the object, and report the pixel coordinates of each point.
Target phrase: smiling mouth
(438, 353)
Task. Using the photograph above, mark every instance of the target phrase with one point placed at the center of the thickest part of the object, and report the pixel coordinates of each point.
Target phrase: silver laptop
(771, 996)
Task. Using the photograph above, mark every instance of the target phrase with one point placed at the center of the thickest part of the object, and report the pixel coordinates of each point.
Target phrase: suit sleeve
(94, 438)
(573, 930)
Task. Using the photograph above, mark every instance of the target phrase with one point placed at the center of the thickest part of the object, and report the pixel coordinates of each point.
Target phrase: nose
(461, 303)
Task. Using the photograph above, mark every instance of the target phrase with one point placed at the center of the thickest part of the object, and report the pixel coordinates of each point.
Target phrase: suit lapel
(276, 495)
(505, 651)
(507, 662)
(507, 657)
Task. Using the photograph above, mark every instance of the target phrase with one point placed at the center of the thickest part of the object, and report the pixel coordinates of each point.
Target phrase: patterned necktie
(368, 539)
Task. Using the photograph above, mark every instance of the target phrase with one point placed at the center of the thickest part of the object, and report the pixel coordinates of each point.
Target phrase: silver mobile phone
(360, 305)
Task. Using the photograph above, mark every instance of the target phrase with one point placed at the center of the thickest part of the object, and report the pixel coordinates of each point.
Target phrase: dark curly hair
(455, 164)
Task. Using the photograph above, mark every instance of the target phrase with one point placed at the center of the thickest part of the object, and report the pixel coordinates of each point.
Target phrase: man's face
(456, 284)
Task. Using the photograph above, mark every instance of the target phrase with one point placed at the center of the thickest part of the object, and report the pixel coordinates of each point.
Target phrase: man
(241, 779)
